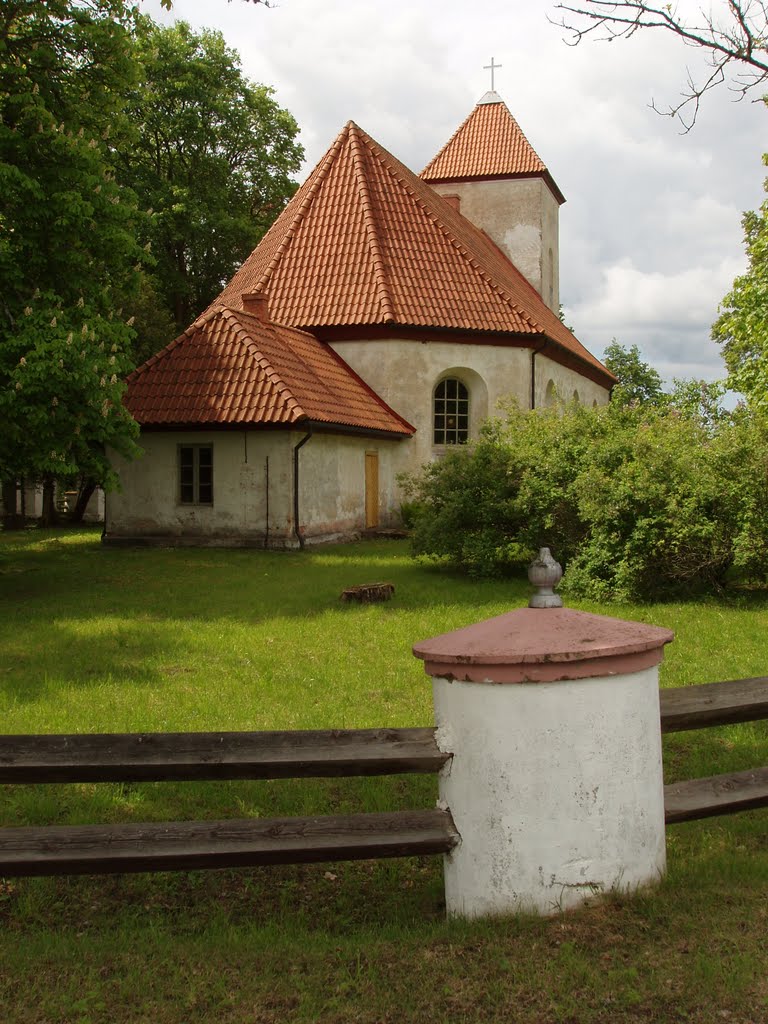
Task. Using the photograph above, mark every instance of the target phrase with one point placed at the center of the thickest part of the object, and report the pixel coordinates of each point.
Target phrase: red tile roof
(366, 242)
(489, 144)
(232, 368)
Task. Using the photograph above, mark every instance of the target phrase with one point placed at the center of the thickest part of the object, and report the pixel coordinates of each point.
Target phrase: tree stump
(368, 593)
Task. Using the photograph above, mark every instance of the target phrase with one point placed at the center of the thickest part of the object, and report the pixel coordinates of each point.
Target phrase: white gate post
(555, 784)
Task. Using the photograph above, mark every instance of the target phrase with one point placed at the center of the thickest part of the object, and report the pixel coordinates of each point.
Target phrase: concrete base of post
(555, 788)
(555, 784)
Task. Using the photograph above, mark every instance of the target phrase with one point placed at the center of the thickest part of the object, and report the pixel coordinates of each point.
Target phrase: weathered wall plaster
(253, 501)
(522, 217)
(558, 383)
(332, 467)
(405, 374)
(556, 790)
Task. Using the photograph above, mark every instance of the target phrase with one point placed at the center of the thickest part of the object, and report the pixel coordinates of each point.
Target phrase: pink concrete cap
(543, 645)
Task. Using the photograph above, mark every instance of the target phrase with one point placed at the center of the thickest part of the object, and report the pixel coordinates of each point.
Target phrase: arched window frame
(450, 412)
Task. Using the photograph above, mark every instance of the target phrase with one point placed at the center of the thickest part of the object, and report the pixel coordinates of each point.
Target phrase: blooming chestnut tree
(68, 249)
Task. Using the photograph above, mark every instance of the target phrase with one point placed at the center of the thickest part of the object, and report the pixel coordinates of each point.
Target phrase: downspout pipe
(534, 353)
(296, 451)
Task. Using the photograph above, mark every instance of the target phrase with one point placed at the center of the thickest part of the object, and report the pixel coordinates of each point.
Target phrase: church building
(379, 321)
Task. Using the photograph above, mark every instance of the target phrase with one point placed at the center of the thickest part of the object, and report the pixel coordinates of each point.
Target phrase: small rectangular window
(196, 474)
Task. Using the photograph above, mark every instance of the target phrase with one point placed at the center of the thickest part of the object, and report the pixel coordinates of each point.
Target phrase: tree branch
(741, 41)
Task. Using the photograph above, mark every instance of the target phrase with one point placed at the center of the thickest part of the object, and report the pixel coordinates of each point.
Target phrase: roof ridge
(471, 258)
(187, 333)
(528, 142)
(523, 279)
(442, 149)
(134, 374)
(326, 385)
(329, 386)
(321, 173)
(369, 219)
(525, 283)
(233, 317)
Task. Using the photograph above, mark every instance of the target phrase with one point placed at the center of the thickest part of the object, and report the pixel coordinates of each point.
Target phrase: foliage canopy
(636, 501)
(211, 155)
(67, 236)
(742, 327)
(638, 381)
(104, 115)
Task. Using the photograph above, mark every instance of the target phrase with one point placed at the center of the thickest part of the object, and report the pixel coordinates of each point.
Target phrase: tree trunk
(84, 495)
(180, 297)
(11, 519)
(49, 516)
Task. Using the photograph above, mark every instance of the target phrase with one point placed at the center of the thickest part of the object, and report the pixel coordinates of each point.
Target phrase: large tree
(213, 159)
(742, 327)
(732, 33)
(67, 237)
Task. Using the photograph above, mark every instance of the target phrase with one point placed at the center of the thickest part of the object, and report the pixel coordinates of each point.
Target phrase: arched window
(451, 412)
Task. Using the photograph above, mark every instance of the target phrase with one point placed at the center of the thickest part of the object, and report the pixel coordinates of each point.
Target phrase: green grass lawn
(99, 639)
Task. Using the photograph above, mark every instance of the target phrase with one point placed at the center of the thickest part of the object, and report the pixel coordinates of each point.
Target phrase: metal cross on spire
(492, 67)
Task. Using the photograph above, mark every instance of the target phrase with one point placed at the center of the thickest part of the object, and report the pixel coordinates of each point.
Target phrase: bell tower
(491, 173)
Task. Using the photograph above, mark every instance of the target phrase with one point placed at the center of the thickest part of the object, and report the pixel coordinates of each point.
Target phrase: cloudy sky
(650, 235)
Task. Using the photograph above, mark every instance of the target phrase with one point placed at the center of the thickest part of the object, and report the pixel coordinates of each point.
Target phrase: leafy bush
(635, 502)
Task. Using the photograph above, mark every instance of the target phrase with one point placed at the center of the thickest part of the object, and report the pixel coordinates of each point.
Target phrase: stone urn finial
(545, 573)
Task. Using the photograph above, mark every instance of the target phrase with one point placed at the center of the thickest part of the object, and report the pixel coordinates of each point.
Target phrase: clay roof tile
(366, 242)
(489, 144)
(224, 370)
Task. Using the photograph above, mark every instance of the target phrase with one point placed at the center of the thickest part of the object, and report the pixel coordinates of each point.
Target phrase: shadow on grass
(58, 655)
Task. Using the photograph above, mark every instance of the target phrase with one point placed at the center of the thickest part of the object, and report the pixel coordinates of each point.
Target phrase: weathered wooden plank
(695, 707)
(131, 757)
(169, 846)
(718, 794)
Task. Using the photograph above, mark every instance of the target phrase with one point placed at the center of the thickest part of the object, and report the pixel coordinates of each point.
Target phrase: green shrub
(409, 511)
(635, 502)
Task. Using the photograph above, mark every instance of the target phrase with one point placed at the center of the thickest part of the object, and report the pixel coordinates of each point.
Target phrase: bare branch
(736, 46)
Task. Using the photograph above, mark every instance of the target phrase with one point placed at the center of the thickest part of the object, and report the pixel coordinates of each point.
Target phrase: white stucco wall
(253, 488)
(559, 383)
(332, 484)
(522, 217)
(405, 374)
(332, 467)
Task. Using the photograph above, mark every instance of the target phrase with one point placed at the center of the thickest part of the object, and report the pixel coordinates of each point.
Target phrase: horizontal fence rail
(707, 704)
(165, 757)
(718, 794)
(700, 707)
(186, 845)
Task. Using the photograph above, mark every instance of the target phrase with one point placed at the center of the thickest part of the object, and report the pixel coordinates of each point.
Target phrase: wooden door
(371, 490)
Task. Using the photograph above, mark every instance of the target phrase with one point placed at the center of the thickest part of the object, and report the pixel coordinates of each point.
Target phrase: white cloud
(667, 315)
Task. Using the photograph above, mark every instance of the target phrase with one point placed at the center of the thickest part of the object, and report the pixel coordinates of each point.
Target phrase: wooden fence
(87, 849)
(699, 707)
(140, 757)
